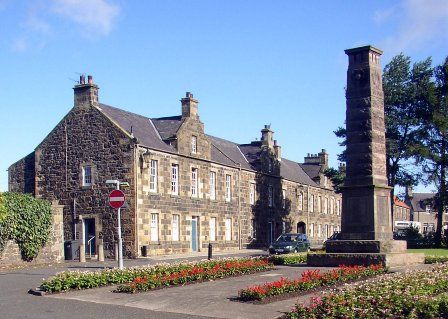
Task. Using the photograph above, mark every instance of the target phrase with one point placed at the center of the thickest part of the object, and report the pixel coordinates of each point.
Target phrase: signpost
(116, 200)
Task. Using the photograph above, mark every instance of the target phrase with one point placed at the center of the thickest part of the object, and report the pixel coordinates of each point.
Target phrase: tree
(432, 151)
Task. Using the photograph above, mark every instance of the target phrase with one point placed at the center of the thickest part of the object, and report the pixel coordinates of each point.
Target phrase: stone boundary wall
(52, 252)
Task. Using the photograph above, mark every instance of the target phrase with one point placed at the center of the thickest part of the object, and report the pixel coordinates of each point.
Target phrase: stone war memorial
(366, 224)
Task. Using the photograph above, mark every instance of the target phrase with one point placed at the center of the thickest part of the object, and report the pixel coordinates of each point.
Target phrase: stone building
(186, 188)
(424, 210)
(401, 210)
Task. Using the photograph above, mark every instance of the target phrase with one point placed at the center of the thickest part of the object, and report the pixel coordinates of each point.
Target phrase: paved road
(15, 302)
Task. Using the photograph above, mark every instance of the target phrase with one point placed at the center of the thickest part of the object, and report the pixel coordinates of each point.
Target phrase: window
(326, 206)
(212, 185)
(300, 201)
(252, 193)
(283, 198)
(311, 204)
(311, 234)
(175, 179)
(319, 231)
(270, 165)
(153, 176)
(213, 229)
(428, 209)
(327, 231)
(332, 205)
(175, 228)
(194, 145)
(228, 229)
(338, 207)
(228, 188)
(270, 196)
(87, 175)
(194, 182)
(319, 204)
(283, 227)
(154, 227)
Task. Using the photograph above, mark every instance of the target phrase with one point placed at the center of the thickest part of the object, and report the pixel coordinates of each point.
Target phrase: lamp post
(117, 185)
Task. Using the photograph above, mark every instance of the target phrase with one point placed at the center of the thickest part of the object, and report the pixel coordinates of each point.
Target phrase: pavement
(15, 302)
(212, 299)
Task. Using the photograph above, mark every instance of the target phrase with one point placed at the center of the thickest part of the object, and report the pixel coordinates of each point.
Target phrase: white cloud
(95, 16)
(419, 23)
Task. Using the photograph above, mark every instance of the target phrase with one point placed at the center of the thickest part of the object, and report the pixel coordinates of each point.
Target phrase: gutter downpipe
(240, 243)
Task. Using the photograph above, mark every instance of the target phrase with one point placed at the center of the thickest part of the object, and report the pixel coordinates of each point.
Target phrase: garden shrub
(25, 220)
(288, 259)
(435, 259)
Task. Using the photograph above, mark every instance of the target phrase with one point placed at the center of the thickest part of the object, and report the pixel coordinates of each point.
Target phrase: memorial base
(365, 259)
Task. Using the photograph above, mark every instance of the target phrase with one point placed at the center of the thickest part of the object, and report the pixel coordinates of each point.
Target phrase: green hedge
(25, 220)
(288, 259)
(435, 259)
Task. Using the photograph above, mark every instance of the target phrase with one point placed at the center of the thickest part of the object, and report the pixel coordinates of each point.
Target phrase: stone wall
(85, 137)
(21, 175)
(52, 252)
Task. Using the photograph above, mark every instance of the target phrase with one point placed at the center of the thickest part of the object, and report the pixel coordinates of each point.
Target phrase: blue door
(194, 234)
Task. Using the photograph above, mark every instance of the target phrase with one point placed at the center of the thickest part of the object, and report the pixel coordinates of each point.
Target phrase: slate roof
(420, 200)
(141, 127)
(312, 170)
(167, 126)
(153, 132)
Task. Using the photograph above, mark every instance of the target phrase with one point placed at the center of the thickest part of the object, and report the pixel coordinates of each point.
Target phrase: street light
(117, 185)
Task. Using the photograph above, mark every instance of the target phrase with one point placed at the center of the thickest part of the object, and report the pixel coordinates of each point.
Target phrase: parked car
(336, 236)
(290, 243)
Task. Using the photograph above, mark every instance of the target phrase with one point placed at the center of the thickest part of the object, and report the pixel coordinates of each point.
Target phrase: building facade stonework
(186, 188)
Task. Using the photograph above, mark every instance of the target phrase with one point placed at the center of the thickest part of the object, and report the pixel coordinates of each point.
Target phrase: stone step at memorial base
(399, 259)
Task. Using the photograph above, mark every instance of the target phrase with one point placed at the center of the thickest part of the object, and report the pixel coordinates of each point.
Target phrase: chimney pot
(275, 142)
(82, 79)
(89, 79)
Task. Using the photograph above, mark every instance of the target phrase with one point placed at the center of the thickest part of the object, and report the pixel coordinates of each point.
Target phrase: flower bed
(416, 294)
(211, 270)
(157, 275)
(310, 279)
(288, 259)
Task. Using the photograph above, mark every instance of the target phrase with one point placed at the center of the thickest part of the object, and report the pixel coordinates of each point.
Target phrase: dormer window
(87, 175)
(194, 144)
(428, 209)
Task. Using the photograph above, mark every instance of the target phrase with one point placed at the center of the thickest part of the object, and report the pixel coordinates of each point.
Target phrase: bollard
(82, 253)
(210, 251)
(116, 251)
(100, 250)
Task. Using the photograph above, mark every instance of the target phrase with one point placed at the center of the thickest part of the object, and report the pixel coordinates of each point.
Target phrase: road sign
(116, 198)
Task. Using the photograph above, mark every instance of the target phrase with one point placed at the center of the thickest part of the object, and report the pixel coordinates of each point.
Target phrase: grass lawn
(430, 252)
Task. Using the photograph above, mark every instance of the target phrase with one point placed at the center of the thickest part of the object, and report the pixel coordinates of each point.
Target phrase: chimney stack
(323, 157)
(277, 151)
(85, 95)
(189, 106)
(267, 137)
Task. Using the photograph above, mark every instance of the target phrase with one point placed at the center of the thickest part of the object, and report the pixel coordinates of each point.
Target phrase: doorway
(301, 228)
(194, 233)
(89, 236)
(270, 232)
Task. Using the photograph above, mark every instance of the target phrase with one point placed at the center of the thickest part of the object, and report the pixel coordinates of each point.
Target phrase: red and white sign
(116, 198)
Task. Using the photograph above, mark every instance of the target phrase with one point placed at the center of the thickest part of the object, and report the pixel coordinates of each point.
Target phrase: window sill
(86, 186)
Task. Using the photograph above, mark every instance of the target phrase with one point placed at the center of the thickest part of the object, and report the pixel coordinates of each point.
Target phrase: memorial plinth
(366, 224)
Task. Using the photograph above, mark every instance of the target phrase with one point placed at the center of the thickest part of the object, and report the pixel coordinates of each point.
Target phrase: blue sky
(249, 63)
